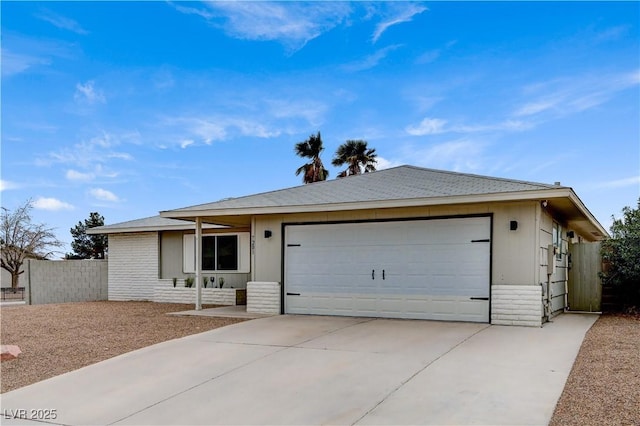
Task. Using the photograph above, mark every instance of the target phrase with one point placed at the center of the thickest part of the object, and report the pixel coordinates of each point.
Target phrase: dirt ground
(58, 338)
(603, 387)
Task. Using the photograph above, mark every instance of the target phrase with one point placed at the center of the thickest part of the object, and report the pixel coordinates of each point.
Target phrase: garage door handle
(383, 274)
(293, 294)
(373, 274)
(479, 298)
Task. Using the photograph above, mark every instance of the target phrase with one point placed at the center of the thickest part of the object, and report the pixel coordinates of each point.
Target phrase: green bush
(621, 256)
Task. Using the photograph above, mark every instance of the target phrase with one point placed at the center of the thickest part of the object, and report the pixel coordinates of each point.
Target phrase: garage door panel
(431, 269)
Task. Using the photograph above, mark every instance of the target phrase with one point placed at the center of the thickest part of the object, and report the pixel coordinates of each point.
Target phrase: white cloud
(458, 155)
(208, 130)
(185, 143)
(120, 156)
(574, 94)
(428, 126)
(30, 54)
(371, 60)
(15, 63)
(51, 204)
(6, 185)
(613, 33)
(508, 125)
(192, 10)
(434, 126)
(431, 55)
(310, 110)
(620, 183)
(79, 176)
(293, 24)
(61, 22)
(89, 155)
(405, 14)
(98, 171)
(103, 195)
(87, 93)
(383, 163)
(537, 107)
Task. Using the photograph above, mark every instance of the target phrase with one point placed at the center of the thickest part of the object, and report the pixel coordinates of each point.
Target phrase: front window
(219, 253)
(209, 253)
(227, 253)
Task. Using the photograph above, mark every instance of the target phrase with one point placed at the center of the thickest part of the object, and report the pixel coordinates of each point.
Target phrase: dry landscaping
(58, 338)
(603, 387)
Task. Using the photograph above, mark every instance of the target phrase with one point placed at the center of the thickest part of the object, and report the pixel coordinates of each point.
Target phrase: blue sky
(129, 108)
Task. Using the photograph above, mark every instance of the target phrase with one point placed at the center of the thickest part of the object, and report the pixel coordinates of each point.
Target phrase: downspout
(198, 263)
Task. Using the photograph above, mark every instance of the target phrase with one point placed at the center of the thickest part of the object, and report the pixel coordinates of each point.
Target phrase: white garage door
(422, 269)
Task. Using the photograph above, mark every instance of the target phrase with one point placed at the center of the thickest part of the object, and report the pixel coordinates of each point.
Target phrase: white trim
(198, 264)
(244, 249)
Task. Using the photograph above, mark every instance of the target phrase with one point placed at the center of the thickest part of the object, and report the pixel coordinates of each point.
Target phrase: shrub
(621, 255)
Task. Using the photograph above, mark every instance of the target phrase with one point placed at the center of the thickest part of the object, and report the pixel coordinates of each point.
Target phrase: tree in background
(358, 157)
(20, 238)
(313, 171)
(621, 255)
(88, 246)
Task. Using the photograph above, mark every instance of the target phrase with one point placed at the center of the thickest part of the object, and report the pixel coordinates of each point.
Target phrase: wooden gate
(585, 286)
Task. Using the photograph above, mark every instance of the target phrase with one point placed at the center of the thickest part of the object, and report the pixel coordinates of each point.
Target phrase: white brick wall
(263, 297)
(133, 266)
(210, 296)
(516, 305)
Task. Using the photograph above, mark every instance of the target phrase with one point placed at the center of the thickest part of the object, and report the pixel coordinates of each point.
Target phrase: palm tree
(313, 171)
(357, 156)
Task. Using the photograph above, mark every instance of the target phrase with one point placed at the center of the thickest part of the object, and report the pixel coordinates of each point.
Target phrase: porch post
(198, 263)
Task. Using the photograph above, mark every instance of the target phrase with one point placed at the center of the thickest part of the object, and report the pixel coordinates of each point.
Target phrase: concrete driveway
(321, 370)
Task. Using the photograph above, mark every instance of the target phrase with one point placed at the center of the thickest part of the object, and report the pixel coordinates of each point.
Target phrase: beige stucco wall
(513, 252)
(554, 286)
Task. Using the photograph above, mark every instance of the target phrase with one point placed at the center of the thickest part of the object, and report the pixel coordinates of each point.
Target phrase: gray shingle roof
(154, 223)
(398, 183)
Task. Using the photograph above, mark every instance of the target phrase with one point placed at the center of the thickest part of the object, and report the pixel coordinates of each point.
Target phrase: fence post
(28, 283)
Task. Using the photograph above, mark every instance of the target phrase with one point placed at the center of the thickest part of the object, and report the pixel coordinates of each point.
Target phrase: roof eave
(135, 229)
(364, 205)
(586, 213)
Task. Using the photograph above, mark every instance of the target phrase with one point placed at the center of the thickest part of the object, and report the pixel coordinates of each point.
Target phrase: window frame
(556, 236)
(242, 257)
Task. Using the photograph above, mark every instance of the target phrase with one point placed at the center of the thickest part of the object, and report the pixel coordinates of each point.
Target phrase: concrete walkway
(322, 370)
(238, 311)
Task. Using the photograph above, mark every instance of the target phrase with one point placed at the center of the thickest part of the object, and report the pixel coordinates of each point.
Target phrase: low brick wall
(263, 297)
(516, 305)
(60, 281)
(210, 296)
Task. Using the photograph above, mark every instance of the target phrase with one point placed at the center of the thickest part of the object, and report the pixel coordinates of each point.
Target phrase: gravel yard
(603, 387)
(58, 338)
